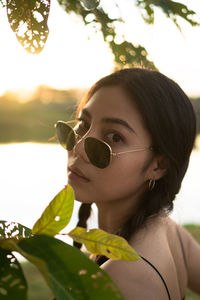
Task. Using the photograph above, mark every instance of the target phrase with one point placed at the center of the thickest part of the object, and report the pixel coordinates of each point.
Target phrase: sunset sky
(71, 60)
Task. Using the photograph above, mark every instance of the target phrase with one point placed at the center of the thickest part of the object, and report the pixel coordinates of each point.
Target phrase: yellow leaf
(98, 241)
(57, 214)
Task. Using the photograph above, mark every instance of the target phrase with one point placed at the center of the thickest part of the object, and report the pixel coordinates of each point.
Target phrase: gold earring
(152, 183)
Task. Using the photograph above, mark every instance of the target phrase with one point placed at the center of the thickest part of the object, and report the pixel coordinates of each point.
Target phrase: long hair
(170, 119)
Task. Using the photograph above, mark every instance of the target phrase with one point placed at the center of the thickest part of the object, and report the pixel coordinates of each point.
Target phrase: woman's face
(110, 115)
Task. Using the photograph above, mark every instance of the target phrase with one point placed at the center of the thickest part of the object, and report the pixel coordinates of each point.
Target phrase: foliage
(125, 53)
(69, 273)
(171, 9)
(34, 120)
(28, 19)
(13, 229)
(196, 105)
(39, 291)
(98, 241)
(57, 215)
(194, 231)
(12, 282)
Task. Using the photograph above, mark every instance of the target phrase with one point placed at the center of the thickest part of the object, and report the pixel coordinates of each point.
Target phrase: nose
(79, 149)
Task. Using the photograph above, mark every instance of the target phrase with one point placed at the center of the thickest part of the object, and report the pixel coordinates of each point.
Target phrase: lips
(74, 171)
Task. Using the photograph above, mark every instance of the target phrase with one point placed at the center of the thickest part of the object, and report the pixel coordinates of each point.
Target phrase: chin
(81, 201)
(79, 196)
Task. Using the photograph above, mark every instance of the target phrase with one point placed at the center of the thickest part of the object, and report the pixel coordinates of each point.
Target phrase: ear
(158, 167)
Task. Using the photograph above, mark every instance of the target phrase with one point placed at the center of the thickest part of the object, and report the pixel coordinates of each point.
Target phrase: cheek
(123, 178)
(120, 180)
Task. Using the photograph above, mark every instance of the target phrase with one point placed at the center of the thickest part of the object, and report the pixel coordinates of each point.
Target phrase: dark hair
(169, 117)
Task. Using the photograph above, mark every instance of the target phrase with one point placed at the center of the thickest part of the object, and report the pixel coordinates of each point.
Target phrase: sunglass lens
(97, 152)
(65, 135)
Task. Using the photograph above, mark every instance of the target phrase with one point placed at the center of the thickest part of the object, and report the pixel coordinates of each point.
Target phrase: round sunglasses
(98, 152)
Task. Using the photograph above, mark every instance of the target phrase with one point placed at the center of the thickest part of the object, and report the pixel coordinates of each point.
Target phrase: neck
(112, 215)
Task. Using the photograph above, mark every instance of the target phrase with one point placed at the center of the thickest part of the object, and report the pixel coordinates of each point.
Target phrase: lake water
(32, 174)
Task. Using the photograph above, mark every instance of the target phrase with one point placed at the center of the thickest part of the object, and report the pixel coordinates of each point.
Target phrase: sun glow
(68, 60)
(75, 56)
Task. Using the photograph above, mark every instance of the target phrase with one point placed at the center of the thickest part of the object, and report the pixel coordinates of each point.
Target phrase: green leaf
(98, 241)
(179, 9)
(173, 9)
(12, 281)
(125, 54)
(11, 233)
(57, 214)
(28, 19)
(69, 272)
(128, 55)
(13, 229)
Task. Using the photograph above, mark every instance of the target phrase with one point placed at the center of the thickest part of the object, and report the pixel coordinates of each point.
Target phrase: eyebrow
(110, 120)
(86, 112)
(118, 121)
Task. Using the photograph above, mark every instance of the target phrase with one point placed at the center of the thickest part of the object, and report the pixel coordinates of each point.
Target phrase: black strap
(100, 259)
(158, 274)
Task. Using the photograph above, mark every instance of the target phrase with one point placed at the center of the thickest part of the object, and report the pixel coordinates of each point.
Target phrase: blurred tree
(28, 19)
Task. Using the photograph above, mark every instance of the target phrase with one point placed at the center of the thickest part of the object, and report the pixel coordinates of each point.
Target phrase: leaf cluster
(171, 9)
(125, 53)
(69, 273)
(28, 19)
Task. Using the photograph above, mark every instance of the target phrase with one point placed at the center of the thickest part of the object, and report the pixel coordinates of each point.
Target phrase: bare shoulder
(135, 280)
(138, 279)
(169, 249)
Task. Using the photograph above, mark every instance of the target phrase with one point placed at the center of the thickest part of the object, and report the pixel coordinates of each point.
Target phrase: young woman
(128, 154)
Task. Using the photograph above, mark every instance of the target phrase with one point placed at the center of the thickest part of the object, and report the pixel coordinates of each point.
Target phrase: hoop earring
(152, 183)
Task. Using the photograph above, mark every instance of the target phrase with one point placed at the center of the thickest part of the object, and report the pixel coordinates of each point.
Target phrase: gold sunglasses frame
(77, 136)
